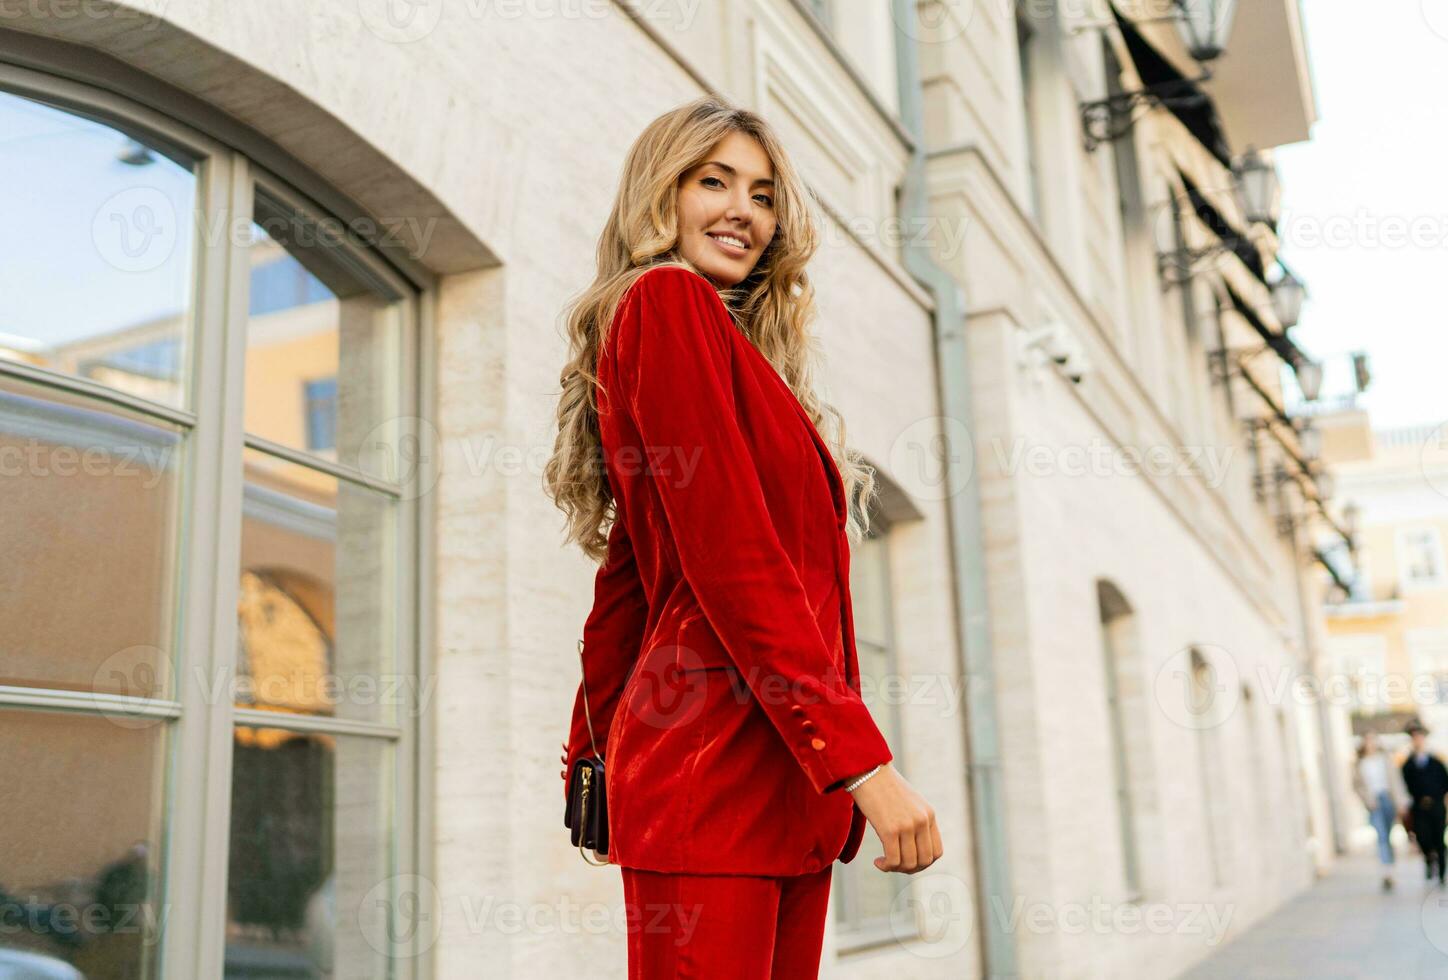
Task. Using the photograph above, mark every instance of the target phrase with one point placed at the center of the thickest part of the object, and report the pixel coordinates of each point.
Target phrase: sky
(1365, 203)
(107, 245)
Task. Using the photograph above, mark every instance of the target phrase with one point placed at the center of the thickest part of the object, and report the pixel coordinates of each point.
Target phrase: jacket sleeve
(612, 636)
(673, 365)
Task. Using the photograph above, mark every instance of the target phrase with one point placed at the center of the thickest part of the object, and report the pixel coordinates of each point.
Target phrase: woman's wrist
(860, 780)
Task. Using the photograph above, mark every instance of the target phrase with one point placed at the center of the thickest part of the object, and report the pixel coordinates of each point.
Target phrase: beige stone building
(1388, 633)
(290, 640)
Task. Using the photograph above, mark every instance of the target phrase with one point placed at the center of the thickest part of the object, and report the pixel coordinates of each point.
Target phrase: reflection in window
(92, 515)
(321, 398)
(317, 610)
(100, 284)
(80, 862)
(309, 863)
(323, 340)
(281, 283)
(285, 643)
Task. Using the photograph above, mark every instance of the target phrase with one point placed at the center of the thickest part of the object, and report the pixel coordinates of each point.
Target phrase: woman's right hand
(903, 820)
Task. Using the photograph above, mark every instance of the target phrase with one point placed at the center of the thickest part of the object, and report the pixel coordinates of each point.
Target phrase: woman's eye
(765, 199)
(715, 179)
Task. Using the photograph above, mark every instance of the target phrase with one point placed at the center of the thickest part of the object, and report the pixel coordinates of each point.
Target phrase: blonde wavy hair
(772, 307)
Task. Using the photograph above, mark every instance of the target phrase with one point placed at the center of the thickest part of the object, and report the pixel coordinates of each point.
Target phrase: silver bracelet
(851, 787)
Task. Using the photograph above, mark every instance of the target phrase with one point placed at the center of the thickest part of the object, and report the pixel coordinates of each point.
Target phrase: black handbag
(586, 813)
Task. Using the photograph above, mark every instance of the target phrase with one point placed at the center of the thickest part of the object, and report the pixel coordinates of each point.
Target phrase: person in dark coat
(1427, 780)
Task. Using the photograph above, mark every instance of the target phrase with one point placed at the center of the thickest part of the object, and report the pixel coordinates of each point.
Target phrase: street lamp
(1309, 378)
(1205, 25)
(1256, 187)
(1288, 294)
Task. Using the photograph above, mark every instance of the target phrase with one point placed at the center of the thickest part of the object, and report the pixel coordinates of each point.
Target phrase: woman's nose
(740, 210)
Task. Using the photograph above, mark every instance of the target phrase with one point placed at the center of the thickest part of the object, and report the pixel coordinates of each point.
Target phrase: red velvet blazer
(719, 655)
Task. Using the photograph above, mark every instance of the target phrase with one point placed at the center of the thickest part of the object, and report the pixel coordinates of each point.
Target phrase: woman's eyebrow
(730, 170)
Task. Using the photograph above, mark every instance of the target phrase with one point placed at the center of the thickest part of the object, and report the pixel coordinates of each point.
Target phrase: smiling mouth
(730, 244)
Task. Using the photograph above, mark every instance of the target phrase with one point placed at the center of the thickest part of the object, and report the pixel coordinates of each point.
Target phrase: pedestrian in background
(1427, 780)
(1379, 784)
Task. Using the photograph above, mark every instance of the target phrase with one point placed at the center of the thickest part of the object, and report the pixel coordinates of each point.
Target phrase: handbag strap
(586, 716)
(584, 679)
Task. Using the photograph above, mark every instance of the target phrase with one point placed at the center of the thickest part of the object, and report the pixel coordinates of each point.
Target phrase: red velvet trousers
(724, 927)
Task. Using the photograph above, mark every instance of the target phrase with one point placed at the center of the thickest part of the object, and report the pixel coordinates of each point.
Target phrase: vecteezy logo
(403, 451)
(672, 686)
(1198, 686)
(135, 672)
(1435, 15)
(933, 23)
(1433, 459)
(933, 457)
(400, 915)
(135, 230)
(1433, 916)
(933, 916)
(400, 21)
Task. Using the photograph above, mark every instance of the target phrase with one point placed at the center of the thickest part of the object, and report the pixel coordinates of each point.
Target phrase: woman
(1379, 784)
(719, 656)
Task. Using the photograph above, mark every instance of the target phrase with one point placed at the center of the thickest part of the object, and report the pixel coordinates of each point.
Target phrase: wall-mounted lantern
(1288, 295)
(1256, 186)
(1205, 26)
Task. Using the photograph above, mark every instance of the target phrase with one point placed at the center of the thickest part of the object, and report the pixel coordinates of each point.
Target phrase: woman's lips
(729, 249)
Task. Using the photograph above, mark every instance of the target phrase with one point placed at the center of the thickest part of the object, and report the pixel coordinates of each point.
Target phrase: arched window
(1203, 692)
(1255, 749)
(209, 661)
(1126, 706)
(864, 898)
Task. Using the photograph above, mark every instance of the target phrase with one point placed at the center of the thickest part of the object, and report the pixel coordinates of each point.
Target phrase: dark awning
(1279, 342)
(1230, 235)
(1188, 102)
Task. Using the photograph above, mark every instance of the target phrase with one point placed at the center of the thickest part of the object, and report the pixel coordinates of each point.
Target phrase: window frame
(196, 792)
(852, 934)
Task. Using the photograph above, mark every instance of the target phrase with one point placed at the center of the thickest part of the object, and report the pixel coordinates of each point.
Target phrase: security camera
(1057, 343)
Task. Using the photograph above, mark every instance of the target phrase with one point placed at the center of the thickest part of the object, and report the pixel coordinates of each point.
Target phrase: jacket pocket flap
(699, 646)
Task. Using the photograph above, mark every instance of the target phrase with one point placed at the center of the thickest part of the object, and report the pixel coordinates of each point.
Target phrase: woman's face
(726, 209)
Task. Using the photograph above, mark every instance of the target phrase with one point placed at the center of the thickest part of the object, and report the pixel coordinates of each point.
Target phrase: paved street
(1344, 928)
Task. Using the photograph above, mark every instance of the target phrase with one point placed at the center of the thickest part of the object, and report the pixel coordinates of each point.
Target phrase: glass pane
(317, 609)
(81, 864)
(99, 284)
(310, 868)
(89, 539)
(870, 590)
(871, 903)
(323, 340)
